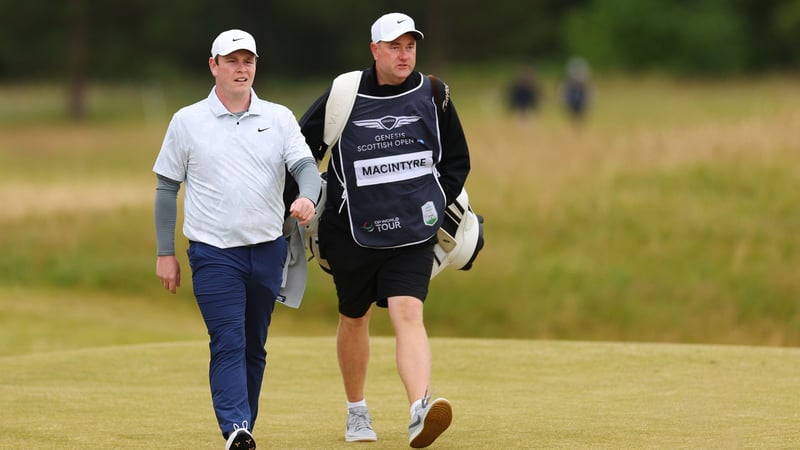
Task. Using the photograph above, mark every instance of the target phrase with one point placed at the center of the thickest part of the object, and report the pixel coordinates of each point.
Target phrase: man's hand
(168, 270)
(302, 209)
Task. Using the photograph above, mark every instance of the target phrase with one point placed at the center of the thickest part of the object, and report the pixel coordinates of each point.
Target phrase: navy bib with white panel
(390, 148)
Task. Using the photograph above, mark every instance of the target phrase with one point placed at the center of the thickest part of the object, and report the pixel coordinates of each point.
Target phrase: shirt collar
(387, 90)
(218, 109)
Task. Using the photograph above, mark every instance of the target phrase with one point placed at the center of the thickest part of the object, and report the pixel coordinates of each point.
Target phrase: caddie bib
(388, 154)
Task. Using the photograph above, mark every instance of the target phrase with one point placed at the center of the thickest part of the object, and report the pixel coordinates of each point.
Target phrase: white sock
(362, 402)
(414, 406)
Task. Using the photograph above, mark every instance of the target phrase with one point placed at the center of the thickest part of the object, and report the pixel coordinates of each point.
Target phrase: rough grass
(668, 216)
(671, 215)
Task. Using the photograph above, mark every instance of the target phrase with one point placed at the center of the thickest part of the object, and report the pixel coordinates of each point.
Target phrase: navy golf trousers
(236, 290)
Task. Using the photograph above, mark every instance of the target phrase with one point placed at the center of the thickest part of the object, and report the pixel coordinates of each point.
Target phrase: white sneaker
(429, 420)
(359, 426)
(240, 439)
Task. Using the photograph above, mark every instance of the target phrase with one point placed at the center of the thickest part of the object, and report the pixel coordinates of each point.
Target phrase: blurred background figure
(524, 92)
(575, 90)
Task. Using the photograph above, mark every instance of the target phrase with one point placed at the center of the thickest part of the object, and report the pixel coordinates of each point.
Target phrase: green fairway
(506, 394)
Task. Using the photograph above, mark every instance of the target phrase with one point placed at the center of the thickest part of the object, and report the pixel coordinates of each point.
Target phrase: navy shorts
(366, 275)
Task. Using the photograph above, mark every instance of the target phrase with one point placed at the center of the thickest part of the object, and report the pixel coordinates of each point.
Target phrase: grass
(667, 221)
(670, 216)
(506, 394)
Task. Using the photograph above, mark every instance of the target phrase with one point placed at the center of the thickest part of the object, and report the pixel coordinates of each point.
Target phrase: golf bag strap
(339, 105)
(441, 95)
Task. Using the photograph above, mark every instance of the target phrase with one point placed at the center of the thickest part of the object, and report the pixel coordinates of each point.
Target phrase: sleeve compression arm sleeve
(306, 174)
(166, 212)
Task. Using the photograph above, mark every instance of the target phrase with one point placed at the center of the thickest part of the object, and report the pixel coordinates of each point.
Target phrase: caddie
(401, 158)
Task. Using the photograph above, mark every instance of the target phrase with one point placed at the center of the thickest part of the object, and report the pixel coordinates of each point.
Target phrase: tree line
(145, 39)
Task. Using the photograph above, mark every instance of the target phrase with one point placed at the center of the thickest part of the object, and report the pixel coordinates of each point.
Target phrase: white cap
(229, 41)
(393, 25)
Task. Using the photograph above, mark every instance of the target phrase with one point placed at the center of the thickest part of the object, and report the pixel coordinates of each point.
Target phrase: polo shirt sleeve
(172, 158)
(295, 147)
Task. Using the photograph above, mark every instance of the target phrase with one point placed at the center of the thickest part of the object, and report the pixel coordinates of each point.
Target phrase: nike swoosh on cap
(401, 21)
(237, 39)
(263, 129)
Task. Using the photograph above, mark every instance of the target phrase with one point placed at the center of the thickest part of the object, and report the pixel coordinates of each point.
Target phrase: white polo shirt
(233, 169)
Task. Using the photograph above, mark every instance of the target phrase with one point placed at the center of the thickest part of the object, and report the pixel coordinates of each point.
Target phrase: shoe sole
(360, 439)
(438, 419)
(243, 442)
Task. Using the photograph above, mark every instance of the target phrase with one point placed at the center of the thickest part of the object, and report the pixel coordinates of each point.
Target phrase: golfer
(232, 150)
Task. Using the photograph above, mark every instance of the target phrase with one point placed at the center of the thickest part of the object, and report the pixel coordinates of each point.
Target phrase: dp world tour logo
(387, 122)
(379, 225)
